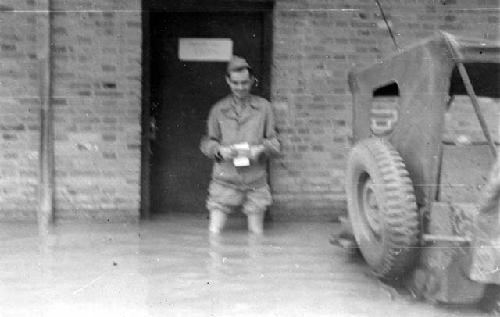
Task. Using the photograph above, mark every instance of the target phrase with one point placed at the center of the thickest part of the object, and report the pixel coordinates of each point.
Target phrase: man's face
(240, 83)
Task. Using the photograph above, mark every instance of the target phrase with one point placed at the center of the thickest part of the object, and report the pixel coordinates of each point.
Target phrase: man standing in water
(241, 136)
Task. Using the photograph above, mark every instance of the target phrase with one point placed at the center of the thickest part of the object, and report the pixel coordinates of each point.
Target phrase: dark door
(182, 93)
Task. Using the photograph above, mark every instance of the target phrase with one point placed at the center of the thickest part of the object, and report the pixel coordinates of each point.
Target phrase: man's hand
(255, 152)
(227, 152)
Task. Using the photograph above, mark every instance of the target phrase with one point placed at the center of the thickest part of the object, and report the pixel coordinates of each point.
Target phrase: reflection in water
(173, 267)
(235, 254)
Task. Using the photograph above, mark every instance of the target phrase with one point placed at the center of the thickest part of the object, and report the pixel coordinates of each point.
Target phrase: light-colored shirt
(228, 124)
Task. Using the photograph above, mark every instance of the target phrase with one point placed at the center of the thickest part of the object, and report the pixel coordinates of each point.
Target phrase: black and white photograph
(249, 158)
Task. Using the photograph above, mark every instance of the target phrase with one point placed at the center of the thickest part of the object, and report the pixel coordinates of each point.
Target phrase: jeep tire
(382, 208)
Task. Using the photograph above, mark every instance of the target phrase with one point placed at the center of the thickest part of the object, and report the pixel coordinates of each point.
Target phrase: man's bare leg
(217, 221)
(256, 222)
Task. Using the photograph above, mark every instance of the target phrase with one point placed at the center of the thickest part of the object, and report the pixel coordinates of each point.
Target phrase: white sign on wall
(205, 49)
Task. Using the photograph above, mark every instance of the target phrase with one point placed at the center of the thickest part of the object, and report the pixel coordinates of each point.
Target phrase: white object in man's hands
(243, 150)
(256, 151)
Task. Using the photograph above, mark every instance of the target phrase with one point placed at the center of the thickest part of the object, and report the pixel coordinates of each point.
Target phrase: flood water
(172, 267)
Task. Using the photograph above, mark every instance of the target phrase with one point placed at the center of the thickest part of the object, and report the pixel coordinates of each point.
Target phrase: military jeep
(419, 204)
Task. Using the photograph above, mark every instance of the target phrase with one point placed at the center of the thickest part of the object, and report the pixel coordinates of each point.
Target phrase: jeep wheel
(382, 208)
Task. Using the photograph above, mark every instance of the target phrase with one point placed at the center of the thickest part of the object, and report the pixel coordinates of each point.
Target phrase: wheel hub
(371, 208)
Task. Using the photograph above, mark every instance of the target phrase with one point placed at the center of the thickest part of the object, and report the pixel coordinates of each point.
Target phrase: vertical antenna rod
(387, 23)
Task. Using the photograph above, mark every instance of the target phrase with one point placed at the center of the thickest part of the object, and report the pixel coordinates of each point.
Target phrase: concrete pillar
(46, 186)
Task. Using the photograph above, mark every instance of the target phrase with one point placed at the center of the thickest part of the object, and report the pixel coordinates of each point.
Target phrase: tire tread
(402, 227)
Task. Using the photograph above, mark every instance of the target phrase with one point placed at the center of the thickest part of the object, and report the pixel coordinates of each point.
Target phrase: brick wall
(96, 97)
(96, 52)
(19, 110)
(315, 43)
(461, 121)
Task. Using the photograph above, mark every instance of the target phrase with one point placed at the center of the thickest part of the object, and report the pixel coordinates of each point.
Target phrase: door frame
(265, 7)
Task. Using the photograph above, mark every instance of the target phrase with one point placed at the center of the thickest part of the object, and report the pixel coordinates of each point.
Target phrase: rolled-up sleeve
(271, 143)
(210, 143)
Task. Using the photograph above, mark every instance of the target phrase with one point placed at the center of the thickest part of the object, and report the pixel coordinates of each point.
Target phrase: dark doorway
(182, 92)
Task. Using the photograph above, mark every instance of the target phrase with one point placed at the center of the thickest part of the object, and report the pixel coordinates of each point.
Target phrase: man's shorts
(226, 198)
